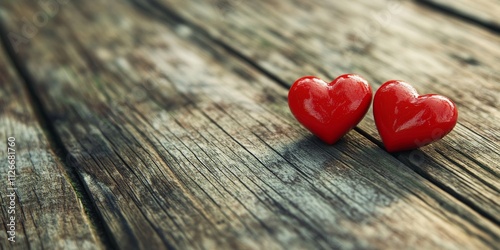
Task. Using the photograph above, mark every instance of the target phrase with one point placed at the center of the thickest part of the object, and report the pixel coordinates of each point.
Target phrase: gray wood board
(183, 145)
(46, 209)
(480, 12)
(380, 40)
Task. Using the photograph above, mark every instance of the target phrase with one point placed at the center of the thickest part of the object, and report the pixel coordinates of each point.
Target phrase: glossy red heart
(330, 110)
(406, 120)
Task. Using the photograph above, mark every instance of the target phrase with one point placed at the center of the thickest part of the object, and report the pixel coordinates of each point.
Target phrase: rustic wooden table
(149, 124)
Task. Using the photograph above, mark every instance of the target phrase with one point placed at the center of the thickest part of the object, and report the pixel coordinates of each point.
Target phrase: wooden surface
(46, 210)
(481, 12)
(469, 170)
(173, 121)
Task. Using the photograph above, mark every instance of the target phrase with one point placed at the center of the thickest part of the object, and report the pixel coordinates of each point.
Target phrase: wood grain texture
(481, 12)
(393, 40)
(183, 145)
(48, 213)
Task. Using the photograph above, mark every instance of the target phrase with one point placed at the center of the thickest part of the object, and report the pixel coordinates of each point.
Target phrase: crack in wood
(460, 15)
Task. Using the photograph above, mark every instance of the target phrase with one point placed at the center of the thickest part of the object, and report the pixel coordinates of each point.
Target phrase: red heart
(406, 120)
(330, 110)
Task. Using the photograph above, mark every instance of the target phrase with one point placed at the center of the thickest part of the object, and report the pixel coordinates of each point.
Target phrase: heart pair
(404, 119)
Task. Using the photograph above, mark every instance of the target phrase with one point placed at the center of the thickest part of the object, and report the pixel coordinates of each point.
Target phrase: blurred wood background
(163, 124)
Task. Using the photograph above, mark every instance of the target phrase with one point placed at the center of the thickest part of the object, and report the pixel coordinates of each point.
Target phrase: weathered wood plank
(181, 145)
(47, 213)
(481, 12)
(394, 40)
